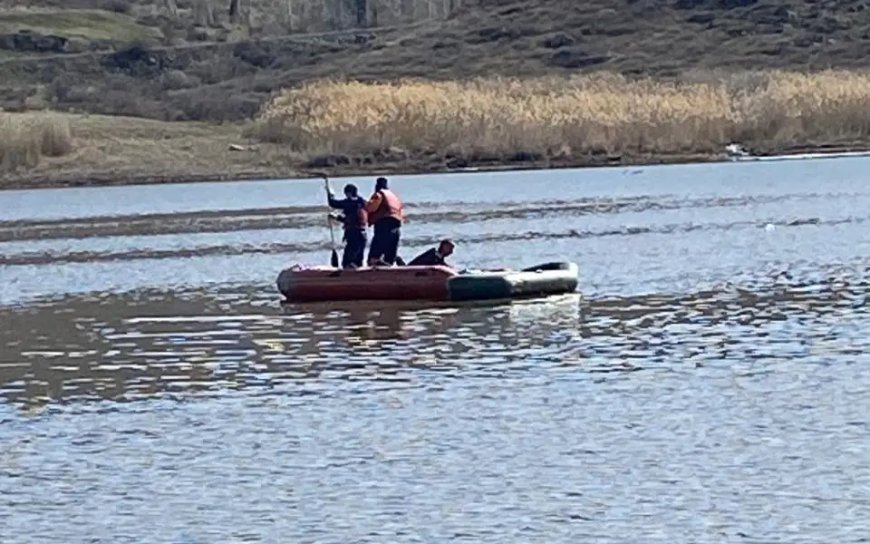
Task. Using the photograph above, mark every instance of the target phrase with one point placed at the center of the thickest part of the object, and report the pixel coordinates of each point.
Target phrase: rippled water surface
(708, 382)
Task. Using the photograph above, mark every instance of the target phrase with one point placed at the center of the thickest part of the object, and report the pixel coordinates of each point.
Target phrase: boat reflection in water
(151, 344)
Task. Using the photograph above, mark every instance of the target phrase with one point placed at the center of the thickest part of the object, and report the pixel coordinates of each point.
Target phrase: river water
(708, 382)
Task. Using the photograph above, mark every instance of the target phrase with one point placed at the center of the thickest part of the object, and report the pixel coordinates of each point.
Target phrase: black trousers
(385, 243)
(354, 248)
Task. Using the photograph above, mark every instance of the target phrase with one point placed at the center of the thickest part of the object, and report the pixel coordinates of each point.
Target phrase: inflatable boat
(439, 283)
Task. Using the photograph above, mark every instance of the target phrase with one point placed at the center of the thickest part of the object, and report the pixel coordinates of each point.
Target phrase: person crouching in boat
(386, 213)
(355, 220)
(434, 256)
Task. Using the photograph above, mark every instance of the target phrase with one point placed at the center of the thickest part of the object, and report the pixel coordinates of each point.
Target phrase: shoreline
(141, 175)
(112, 151)
(410, 168)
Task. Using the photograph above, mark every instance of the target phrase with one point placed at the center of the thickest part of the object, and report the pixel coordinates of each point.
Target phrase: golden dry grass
(27, 138)
(563, 117)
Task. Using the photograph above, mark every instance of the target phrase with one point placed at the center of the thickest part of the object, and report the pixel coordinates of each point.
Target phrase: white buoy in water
(769, 227)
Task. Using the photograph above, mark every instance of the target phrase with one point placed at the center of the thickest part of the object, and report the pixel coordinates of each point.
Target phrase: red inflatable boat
(387, 283)
(299, 284)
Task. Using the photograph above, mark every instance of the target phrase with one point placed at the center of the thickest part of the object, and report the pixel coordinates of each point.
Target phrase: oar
(333, 259)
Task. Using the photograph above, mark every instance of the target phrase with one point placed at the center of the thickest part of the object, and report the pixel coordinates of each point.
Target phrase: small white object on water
(736, 150)
(769, 227)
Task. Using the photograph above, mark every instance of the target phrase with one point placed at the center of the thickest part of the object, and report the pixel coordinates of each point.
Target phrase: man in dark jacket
(434, 256)
(386, 214)
(355, 221)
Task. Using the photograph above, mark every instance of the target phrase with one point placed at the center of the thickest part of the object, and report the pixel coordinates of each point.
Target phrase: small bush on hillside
(55, 136)
(19, 147)
(174, 80)
(118, 6)
(27, 138)
(216, 104)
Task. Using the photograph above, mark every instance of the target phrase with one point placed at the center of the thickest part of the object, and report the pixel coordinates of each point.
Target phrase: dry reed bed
(569, 116)
(25, 139)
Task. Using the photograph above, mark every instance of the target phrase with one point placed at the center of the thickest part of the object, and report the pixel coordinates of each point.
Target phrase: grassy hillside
(208, 67)
(106, 150)
(681, 78)
(85, 24)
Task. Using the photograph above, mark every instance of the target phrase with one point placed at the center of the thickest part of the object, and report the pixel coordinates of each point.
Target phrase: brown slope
(509, 37)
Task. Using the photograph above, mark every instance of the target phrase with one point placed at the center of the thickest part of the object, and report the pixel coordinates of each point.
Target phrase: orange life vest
(390, 206)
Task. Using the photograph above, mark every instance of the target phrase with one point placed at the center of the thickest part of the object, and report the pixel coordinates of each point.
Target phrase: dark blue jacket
(429, 258)
(354, 211)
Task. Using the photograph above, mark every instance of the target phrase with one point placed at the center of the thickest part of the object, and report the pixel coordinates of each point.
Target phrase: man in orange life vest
(386, 213)
(355, 221)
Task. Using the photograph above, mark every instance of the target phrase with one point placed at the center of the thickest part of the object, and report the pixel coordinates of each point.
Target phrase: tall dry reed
(25, 138)
(568, 116)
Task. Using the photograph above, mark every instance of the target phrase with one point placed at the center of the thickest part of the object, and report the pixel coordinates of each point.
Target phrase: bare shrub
(176, 79)
(216, 104)
(55, 135)
(118, 6)
(28, 137)
(19, 147)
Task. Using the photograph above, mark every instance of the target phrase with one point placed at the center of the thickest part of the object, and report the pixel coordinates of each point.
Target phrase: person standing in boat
(434, 256)
(386, 214)
(355, 220)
